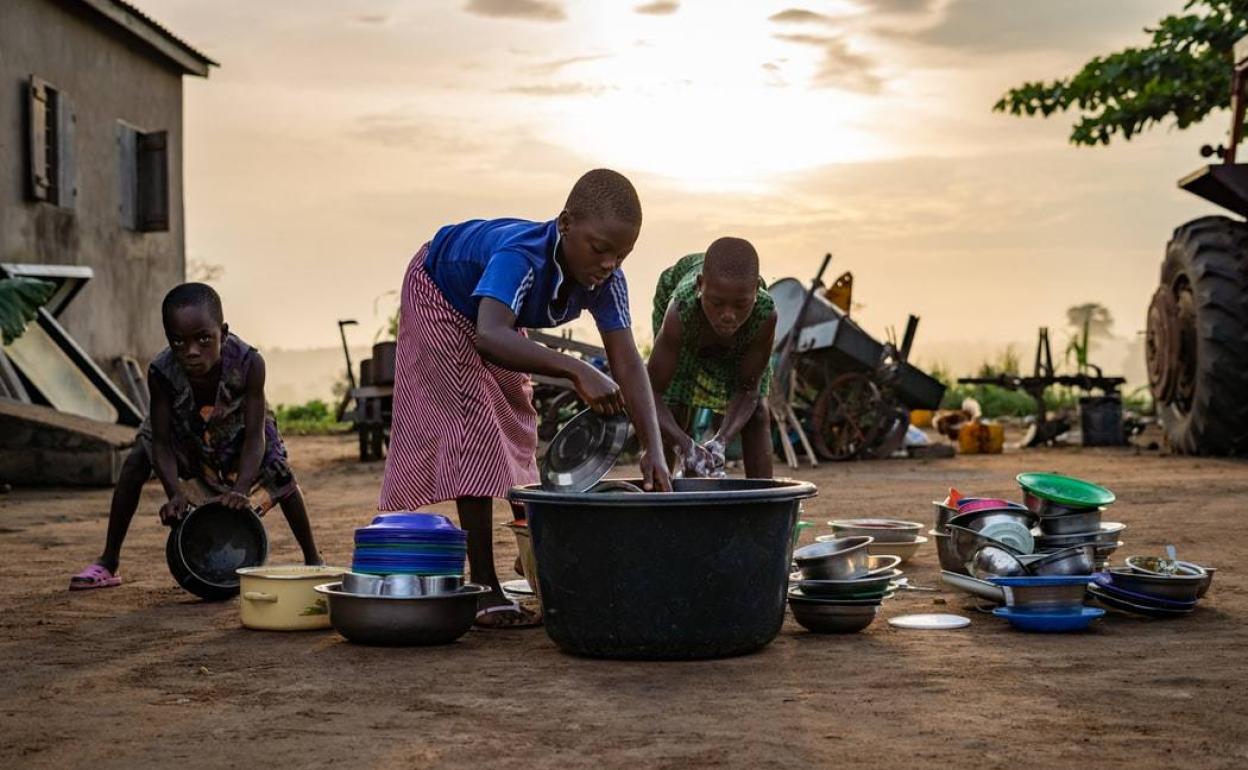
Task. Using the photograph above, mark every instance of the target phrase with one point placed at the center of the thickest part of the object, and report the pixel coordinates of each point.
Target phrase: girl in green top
(714, 324)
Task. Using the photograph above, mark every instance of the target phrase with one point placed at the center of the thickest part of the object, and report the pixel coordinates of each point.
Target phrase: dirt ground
(146, 676)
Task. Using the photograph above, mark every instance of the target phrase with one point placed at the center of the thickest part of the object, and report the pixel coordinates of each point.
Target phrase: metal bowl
(977, 520)
(1076, 560)
(823, 618)
(991, 561)
(1106, 535)
(402, 620)
(860, 588)
(903, 551)
(837, 558)
(1034, 594)
(966, 542)
(883, 530)
(946, 554)
(943, 514)
(1087, 520)
(1178, 588)
(1141, 564)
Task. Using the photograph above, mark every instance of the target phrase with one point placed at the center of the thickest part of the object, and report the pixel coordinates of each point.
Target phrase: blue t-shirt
(513, 261)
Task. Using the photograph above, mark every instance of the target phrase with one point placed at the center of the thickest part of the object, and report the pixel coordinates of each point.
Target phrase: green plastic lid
(1065, 490)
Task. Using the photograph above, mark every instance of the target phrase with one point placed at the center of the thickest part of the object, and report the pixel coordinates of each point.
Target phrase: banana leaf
(20, 300)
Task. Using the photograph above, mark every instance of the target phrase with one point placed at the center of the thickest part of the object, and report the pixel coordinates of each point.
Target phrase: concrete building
(91, 161)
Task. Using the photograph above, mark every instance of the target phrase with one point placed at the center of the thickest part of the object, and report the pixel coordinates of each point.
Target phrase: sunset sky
(337, 136)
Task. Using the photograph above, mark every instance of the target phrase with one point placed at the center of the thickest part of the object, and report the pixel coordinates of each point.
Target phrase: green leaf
(20, 300)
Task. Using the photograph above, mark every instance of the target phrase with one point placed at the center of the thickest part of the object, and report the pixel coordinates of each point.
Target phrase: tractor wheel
(1197, 338)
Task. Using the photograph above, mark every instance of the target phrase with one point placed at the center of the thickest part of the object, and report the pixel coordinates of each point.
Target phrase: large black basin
(696, 573)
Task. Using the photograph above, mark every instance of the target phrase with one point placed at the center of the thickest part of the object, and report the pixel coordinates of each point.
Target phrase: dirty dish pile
(411, 544)
(1071, 513)
(890, 537)
(840, 585)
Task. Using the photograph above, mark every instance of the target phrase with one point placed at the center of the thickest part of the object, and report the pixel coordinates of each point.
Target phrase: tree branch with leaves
(1184, 74)
(20, 300)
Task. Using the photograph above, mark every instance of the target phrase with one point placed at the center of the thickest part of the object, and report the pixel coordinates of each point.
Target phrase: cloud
(558, 89)
(399, 130)
(899, 6)
(798, 16)
(372, 18)
(841, 67)
(554, 65)
(658, 8)
(529, 10)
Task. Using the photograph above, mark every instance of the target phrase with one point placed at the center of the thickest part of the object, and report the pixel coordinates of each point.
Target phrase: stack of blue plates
(410, 544)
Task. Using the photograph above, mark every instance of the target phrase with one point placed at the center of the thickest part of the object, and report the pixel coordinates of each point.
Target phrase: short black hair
(732, 258)
(604, 193)
(192, 295)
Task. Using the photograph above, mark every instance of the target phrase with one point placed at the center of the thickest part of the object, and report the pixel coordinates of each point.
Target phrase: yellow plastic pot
(283, 599)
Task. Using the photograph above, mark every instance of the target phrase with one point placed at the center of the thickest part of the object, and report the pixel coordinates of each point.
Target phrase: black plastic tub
(701, 572)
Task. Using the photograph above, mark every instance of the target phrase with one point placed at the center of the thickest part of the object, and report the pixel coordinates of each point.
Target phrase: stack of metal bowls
(1152, 586)
(891, 537)
(1071, 514)
(840, 585)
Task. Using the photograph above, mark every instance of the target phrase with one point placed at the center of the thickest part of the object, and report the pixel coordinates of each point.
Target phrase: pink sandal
(94, 576)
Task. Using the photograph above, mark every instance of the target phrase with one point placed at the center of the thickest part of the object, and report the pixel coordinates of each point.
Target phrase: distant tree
(1184, 74)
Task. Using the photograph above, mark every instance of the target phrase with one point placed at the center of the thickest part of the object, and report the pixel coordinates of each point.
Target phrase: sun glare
(710, 98)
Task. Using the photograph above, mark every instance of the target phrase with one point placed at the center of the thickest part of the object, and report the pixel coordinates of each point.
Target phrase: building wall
(107, 76)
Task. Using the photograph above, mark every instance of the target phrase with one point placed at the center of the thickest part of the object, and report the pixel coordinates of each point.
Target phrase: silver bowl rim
(866, 540)
(467, 589)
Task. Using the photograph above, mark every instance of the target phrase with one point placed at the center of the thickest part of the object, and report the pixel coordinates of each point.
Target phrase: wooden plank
(40, 185)
(153, 173)
(66, 172)
(127, 175)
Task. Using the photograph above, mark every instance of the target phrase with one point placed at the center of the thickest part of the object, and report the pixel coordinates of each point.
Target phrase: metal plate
(930, 621)
(584, 451)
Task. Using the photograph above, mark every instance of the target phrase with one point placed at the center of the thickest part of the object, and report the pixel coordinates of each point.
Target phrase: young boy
(714, 325)
(464, 427)
(209, 434)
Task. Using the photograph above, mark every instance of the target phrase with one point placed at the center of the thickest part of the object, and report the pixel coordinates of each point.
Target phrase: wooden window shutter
(128, 176)
(153, 174)
(66, 180)
(37, 139)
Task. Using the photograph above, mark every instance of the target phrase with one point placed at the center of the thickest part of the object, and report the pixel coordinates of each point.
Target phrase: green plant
(20, 300)
(313, 418)
(1184, 74)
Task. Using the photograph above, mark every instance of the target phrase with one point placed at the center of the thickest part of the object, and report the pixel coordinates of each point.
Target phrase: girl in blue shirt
(464, 427)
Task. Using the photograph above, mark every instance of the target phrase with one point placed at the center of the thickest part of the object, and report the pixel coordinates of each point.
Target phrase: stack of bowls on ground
(891, 537)
(840, 584)
(1071, 512)
(406, 586)
(1152, 586)
(1046, 604)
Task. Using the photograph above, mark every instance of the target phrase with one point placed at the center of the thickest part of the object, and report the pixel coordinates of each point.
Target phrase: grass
(311, 419)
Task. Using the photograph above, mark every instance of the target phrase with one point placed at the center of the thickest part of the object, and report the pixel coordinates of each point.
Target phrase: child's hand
(173, 511)
(599, 391)
(696, 460)
(235, 500)
(654, 474)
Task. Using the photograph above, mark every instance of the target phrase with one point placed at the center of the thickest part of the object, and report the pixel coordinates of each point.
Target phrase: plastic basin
(701, 572)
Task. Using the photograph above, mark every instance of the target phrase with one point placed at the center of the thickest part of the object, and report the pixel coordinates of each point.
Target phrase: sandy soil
(145, 676)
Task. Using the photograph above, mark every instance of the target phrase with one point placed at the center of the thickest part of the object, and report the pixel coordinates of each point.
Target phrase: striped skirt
(462, 427)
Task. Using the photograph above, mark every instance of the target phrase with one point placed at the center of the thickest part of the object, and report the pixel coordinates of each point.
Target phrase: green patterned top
(705, 378)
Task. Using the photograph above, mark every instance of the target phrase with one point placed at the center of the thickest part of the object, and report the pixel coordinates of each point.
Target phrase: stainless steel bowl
(943, 514)
(402, 585)
(977, 520)
(883, 530)
(357, 583)
(1076, 560)
(946, 554)
(442, 584)
(1178, 588)
(967, 541)
(991, 561)
(1087, 520)
(1056, 598)
(1106, 535)
(824, 618)
(1141, 564)
(835, 559)
(402, 620)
